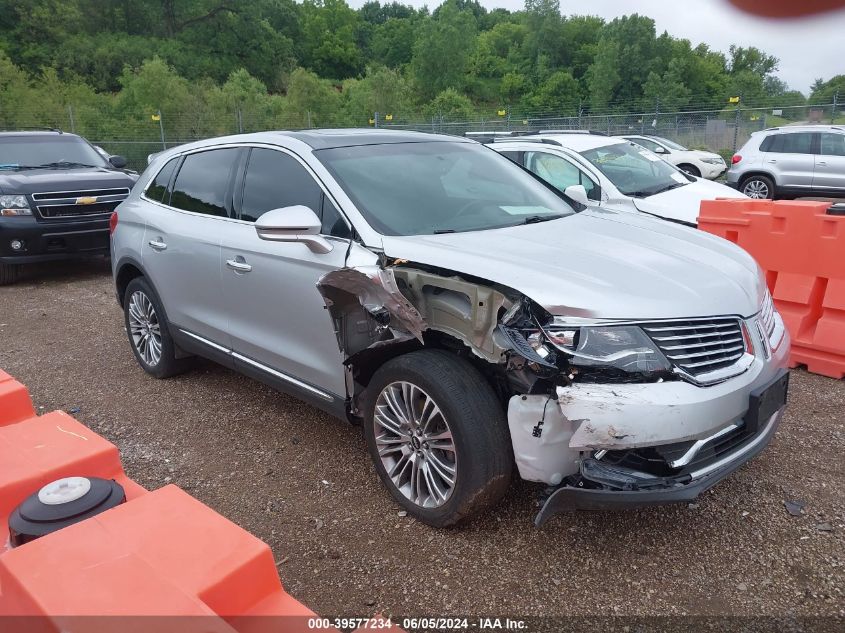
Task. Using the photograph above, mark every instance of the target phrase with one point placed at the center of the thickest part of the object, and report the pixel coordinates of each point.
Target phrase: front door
(276, 316)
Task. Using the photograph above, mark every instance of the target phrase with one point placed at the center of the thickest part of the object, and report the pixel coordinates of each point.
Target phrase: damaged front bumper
(661, 490)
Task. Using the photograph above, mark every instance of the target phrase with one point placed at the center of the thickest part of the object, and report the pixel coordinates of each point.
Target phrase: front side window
(203, 180)
(833, 144)
(671, 144)
(634, 170)
(795, 143)
(274, 180)
(560, 173)
(157, 188)
(439, 187)
(648, 144)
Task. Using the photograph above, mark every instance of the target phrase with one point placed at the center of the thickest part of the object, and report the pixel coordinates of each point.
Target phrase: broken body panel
(564, 416)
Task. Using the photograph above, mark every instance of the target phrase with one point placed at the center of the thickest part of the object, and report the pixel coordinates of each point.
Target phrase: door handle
(771, 160)
(157, 245)
(823, 163)
(239, 266)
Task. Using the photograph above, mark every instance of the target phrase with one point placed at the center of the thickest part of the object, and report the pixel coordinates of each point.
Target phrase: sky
(808, 48)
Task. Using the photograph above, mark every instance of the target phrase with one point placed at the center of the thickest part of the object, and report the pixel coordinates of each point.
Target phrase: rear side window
(274, 180)
(158, 187)
(202, 182)
(795, 143)
(833, 144)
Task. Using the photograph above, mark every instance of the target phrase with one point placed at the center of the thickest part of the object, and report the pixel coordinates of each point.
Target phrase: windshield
(439, 187)
(51, 152)
(635, 170)
(670, 144)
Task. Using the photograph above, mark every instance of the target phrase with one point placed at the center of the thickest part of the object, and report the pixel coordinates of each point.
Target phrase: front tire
(437, 436)
(692, 170)
(9, 274)
(758, 187)
(149, 331)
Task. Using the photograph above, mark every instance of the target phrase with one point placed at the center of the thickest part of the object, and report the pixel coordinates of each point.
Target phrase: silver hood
(602, 264)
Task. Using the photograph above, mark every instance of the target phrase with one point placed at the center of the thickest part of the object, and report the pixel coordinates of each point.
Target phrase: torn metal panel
(463, 309)
(376, 291)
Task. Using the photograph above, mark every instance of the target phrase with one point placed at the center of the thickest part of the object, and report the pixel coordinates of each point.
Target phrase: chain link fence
(136, 136)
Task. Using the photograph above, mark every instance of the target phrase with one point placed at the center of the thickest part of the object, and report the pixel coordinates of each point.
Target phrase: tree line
(109, 64)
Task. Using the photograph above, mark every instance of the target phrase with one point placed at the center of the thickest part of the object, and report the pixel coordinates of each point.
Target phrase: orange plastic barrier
(162, 554)
(802, 250)
(15, 404)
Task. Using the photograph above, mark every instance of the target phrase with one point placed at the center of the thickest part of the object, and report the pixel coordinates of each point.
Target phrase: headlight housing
(713, 161)
(623, 347)
(14, 205)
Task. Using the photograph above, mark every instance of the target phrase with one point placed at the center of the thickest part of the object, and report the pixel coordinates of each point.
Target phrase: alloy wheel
(144, 328)
(415, 444)
(756, 189)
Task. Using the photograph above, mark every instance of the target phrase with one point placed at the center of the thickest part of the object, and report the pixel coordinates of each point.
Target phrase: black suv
(57, 193)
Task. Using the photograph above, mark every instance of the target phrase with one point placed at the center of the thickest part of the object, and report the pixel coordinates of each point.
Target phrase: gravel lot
(303, 482)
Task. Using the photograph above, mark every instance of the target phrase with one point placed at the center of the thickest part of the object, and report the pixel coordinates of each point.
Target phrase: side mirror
(660, 150)
(293, 224)
(117, 161)
(577, 193)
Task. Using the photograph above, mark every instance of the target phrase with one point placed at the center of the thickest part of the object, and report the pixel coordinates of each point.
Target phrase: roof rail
(36, 129)
(592, 132)
(527, 139)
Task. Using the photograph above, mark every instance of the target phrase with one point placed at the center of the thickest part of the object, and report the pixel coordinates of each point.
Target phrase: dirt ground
(303, 482)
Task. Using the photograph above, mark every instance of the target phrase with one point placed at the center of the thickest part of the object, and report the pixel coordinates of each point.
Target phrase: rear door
(790, 156)
(277, 318)
(181, 248)
(830, 163)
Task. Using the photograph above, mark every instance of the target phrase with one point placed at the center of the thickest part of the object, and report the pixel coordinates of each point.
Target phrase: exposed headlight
(14, 205)
(716, 160)
(623, 347)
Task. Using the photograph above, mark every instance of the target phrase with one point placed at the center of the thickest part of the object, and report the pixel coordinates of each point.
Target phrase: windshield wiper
(63, 163)
(536, 219)
(674, 185)
(646, 194)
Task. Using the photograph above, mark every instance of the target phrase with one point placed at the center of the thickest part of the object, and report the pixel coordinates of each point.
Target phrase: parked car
(56, 196)
(787, 162)
(615, 174)
(461, 311)
(695, 162)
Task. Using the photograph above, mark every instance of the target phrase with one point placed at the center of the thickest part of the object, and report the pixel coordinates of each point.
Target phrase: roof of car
(804, 127)
(46, 132)
(579, 142)
(324, 139)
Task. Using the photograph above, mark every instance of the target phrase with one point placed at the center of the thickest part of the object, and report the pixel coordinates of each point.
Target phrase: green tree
(450, 105)
(559, 93)
(442, 50)
(329, 30)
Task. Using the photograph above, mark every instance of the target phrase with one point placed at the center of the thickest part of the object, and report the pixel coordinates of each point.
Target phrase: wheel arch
(126, 270)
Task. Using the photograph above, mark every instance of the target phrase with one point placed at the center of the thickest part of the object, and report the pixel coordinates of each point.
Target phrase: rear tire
(451, 404)
(692, 170)
(758, 187)
(149, 331)
(9, 274)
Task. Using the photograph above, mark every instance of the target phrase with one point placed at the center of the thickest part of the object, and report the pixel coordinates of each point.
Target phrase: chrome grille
(699, 346)
(66, 204)
(61, 195)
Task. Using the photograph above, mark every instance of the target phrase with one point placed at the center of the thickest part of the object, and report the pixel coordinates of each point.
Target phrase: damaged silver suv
(471, 318)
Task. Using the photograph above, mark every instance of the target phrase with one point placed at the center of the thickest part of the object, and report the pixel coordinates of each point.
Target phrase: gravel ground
(303, 482)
